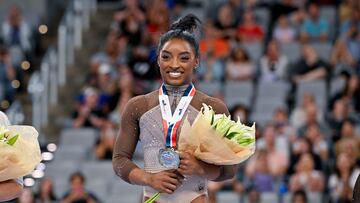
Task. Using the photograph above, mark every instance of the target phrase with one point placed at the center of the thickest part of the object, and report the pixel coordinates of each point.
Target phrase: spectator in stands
(158, 16)
(299, 196)
(310, 67)
(336, 117)
(17, 34)
(239, 66)
(276, 157)
(315, 28)
(351, 95)
(318, 142)
(226, 22)
(285, 133)
(306, 177)
(89, 114)
(46, 192)
(129, 20)
(342, 180)
(124, 92)
(346, 9)
(250, 31)
(282, 124)
(284, 32)
(105, 145)
(352, 40)
(113, 55)
(273, 65)
(278, 9)
(341, 59)
(214, 49)
(77, 192)
(347, 133)
(259, 174)
(299, 114)
(353, 21)
(26, 196)
(7, 75)
(300, 146)
(240, 111)
(312, 119)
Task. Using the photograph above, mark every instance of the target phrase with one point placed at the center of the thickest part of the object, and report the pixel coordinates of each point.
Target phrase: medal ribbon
(171, 122)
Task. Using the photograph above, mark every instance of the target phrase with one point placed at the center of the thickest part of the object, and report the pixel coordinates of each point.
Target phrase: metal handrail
(44, 84)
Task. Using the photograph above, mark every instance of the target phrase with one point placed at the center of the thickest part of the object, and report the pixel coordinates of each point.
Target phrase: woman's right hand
(165, 181)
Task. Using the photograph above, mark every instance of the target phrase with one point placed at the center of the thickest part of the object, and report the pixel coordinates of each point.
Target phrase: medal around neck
(169, 158)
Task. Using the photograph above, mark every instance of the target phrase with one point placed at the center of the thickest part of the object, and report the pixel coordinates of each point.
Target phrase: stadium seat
(269, 197)
(336, 85)
(238, 93)
(255, 50)
(262, 16)
(292, 51)
(85, 137)
(273, 90)
(323, 50)
(99, 187)
(329, 13)
(225, 197)
(121, 189)
(94, 168)
(71, 152)
(210, 88)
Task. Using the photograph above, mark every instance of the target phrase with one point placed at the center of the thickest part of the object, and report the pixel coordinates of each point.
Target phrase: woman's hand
(165, 181)
(190, 165)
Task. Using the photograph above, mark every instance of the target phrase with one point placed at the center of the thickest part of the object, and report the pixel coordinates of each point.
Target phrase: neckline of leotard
(176, 90)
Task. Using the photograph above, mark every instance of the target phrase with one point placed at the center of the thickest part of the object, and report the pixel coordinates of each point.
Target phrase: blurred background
(68, 67)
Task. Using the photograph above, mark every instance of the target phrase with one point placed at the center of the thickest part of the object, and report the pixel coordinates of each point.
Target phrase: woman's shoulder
(217, 104)
(142, 103)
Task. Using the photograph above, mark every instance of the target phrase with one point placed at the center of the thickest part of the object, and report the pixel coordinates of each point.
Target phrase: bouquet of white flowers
(216, 139)
(20, 151)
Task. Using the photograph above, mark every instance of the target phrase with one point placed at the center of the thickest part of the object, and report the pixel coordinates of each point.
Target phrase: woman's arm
(164, 181)
(9, 189)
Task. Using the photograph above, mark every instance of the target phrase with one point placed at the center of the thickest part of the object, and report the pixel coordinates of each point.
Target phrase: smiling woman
(154, 119)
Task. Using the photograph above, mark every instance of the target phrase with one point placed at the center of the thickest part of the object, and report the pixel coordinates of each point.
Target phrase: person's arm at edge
(9, 189)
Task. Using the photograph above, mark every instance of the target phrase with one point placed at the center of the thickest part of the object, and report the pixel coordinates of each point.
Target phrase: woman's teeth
(174, 74)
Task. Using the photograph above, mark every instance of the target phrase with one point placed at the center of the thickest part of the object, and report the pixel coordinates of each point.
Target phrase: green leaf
(2, 135)
(12, 140)
(153, 198)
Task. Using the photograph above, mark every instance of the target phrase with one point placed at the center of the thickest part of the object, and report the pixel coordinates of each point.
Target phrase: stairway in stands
(93, 41)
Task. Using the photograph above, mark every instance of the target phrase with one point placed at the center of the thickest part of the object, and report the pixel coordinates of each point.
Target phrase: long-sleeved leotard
(142, 121)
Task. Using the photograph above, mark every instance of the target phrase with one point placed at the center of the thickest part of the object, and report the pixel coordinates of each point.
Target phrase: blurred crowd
(18, 49)
(303, 149)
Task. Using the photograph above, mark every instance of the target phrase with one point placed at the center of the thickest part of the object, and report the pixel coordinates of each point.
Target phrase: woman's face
(177, 61)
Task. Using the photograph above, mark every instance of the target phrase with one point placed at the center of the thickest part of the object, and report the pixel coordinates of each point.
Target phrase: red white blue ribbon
(171, 122)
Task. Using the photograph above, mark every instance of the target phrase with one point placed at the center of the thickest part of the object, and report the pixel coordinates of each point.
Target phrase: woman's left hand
(190, 165)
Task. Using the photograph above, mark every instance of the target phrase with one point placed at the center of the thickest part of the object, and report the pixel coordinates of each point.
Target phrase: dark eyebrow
(181, 53)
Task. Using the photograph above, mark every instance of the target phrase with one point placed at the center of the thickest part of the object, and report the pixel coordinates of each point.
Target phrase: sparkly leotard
(142, 121)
